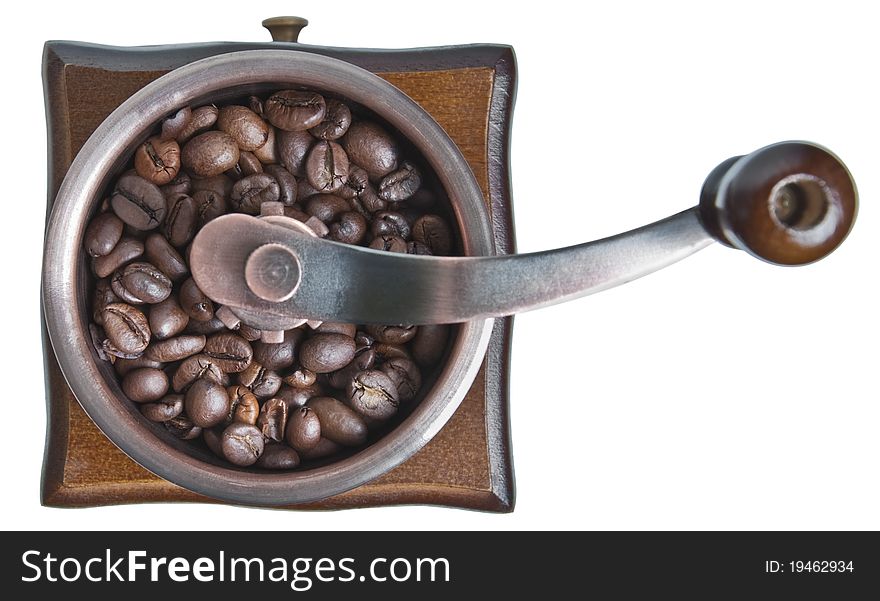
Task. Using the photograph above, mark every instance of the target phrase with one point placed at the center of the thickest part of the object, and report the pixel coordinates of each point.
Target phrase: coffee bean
(141, 283)
(248, 333)
(205, 328)
(245, 126)
(127, 249)
(278, 356)
(392, 334)
(183, 428)
(350, 229)
(394, 244)
(230, 352)
(401, 184)
(406, 375)
(102, 234)
(201, 119)
(390, 223)
(417, 248)
(286, 183)
(175, 349)
(164, 409)
(123, 366)
(97, 336)
(157, 160)
(181, 184)
(195, 368)
(194, 302)
(102, 297)
(272, 420)
(138, 202)
(127, 329)
(360, 192)
(303, 429)
(429, 343)
(362, 361)
(181, 218)
(252, 191)
(264, 383)
(295, 110)
(339, 423)
(329, 327)
(304, 190)
(165, 257)
(242, 444)
(327, 207)
(278, 457)
(267, 154)
(300, 378)
(209, 205)
(248, 164)
(210, 153)
(218, 184)
(324, 448)
(144, 385)
(323, 353)
(337, 119)
(293, 147)
(385, 351)
(373, 394)
(206, 403)
(243, 405)
(370, 147)
(174, 125)
(327, 166)
(213, 438)
(433, 232)
(296, 397)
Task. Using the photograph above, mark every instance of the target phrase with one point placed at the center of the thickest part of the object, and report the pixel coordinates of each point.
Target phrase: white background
(722, 393)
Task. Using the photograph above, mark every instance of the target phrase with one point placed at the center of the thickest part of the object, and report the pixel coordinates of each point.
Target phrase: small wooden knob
(285, 29)
(791, 203)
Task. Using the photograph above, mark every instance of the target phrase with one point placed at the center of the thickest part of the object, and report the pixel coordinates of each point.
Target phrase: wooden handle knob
(791, 203)
(285, 29)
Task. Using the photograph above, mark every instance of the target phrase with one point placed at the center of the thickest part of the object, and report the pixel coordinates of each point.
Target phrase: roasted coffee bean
(181, 184)
(245, 126)
(296, 397)
(123, 366)
(394, 244)
(248, 333)
(370, 147)
(350, 229)
(362, 361)
(127, 329)
(181, 219)
(183, 428)
(393, 334)
(278, 356)
(293, 147)
(102, 297)
(160, 253)
(213, 438)
(209, 205)
(206, 403)
(304, 190)
(164, 409)
(373, 394)
(127, 249)
(429, 343)
(324, 448)
(248, 164)
(327, 166)
(138, 202)
(338, 422)
(390, 223)
(401, 184)
(264, 383)
(230, 352)
(210, 153)
(195, 368)
(303, 429)
(102, 234)
(157, 160)
(272, 420)
(218, 184)
(406, 375)
(300, 378)
(360, 192)
(97, 335)
(295, 110)
(323, 353)
(286, 183)
(174, 125)
(145, 385)
(141, 283)
(205, 328)
(327, 207)
(252, 191)
(194, 302)
(242, 444)
(433, 232)
(417, 248)
(267, 154)
(330, 327)
(337, 119)
(175, 349)
(243, 405)
(385, 351)
(278, 457)
(201, 118)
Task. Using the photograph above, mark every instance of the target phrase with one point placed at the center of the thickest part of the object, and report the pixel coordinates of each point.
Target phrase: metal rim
(81, 190)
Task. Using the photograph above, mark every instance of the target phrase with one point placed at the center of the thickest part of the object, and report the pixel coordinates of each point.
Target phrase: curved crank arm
(788, 203)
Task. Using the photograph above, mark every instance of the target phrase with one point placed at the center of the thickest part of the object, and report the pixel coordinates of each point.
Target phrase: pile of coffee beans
(192, 365)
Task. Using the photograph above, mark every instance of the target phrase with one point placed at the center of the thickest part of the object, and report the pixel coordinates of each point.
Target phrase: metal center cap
(273, 272)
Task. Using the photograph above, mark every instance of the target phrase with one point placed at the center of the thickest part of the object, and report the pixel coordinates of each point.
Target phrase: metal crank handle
(790, 203)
